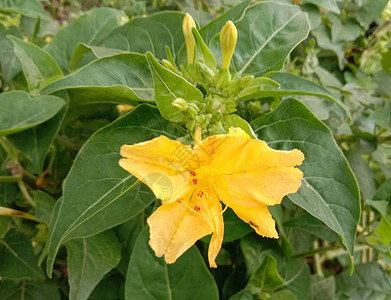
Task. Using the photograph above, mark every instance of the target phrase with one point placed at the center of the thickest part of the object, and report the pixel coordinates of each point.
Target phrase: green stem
(10, 178)
(25, 193)
(317, 261)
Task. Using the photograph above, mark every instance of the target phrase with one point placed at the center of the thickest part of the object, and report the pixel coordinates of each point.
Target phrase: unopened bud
(228, 38)
(188, 24)
(180, 104)
(169, 66)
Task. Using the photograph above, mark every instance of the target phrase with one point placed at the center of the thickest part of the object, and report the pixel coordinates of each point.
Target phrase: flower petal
(259, 218)
(216, 217)
(175, 226)
(266, 187)
(161, 164)
(237, 153)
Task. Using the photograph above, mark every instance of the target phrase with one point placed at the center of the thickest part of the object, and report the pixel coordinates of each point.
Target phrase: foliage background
(105, 256)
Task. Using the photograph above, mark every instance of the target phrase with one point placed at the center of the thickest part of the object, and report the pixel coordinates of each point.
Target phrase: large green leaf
(17, 258)
(369, 281)
(370, 10)
(153, 34)
(293, 85)
(19, 111)
(37, 65)
(329, 190)
(266, 277)
(330, 5)
(122, 78)
(214, 27)
(308, 223)
(98, 193)
(267, 33)
(170, 86)
(88, 29)
(89, 259)
(36, 142)
(323, 37)
(10, 65)
(29, 8)
(84, 54)
(149, 277)
(28, 290)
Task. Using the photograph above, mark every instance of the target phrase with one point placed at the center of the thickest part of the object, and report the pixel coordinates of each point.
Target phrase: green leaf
(10, 65)
(363, 173)
(122, 78)
(323, 37)
(369, 281)
(19, 111)
(283, 295)
(153, 34)
(36, 142)
(267, 33)
(382, 116)
(322, 288)
(370, 11)
(28, 290)
(384, 191)
(296, 276)
(89, 29)
(170, 86)
(202, 53)
(84, 54)
(329, 190)
(98, 193)
(314, 15)
(17, 258)
(330, 5)
(295, 85)
(310, 224)
(149, 277)
(214, 27)
(89, 259)
(233, 120)
(29, 8)
(266, 277)
(349, 30)
(255, 247)
(45, 206)
(37, 65)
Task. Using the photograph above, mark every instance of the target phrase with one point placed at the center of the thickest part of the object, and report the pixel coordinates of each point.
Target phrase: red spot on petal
(179, 200)
(200, 194)
(193, 173)
(197, 208)
(194, 181)
(254, 225)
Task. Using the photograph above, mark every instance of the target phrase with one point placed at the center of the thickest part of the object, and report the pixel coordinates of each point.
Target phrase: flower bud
(123, 107)
(228, 38)
(188, 24)
(167, 64)
(180, 104)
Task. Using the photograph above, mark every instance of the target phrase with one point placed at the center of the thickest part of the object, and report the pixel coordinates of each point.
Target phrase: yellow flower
(228, 38)
(243, 173)
(188, 24)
